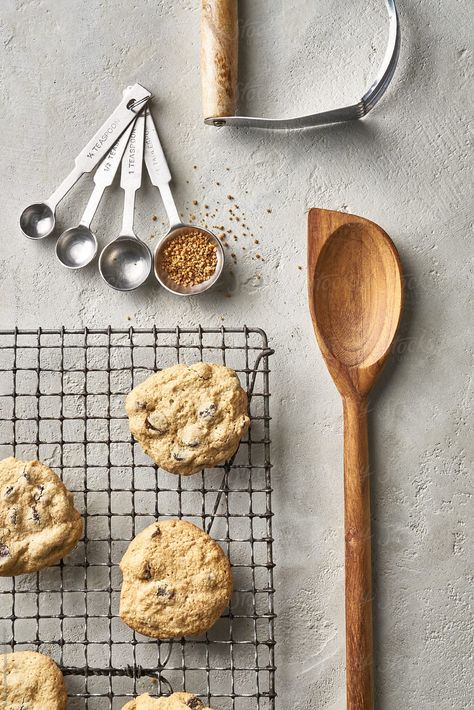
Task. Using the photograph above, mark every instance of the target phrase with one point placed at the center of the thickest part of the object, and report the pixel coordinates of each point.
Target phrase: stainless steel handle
(104, 176)
(105, 173)
(158, 169)
(131, 175)
(132, 101)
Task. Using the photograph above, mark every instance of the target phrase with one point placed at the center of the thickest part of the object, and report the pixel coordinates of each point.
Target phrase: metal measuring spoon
(125, 263)
(37, 221)
(77, 246)
(160, 176)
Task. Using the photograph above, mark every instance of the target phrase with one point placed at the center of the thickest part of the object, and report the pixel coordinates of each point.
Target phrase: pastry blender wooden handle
(219, 57)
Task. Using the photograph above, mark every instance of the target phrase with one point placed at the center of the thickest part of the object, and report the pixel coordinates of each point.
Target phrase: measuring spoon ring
(160, 176)
(37, 221)
(126, 262)
(77, 246)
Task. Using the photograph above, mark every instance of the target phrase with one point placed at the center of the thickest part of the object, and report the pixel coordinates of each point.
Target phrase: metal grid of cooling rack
(62, 401)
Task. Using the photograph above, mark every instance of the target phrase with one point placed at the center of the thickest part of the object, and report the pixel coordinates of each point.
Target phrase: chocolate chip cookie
(189, 417)
(31, 681)
(38, 522)
(177, 701)
(177, 581)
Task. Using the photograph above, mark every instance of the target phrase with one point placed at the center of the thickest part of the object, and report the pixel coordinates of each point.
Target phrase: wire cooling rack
(62, 401)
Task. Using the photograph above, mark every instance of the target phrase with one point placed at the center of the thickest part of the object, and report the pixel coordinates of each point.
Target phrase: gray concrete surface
(408, 167)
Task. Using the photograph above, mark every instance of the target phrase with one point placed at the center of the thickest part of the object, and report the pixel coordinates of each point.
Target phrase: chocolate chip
(164, 592)
(8, 491)
(208, 412)
(4, 550)
(179, 455)
(156, 532)
(39, 492)
(194, 703)
(35, 515)
(25, 474)
(146, 574)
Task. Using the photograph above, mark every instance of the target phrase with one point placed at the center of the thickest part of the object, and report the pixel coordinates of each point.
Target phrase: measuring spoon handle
(132, 101)
(104, 176)
(105, 173)
(158, 169)
(131, 175)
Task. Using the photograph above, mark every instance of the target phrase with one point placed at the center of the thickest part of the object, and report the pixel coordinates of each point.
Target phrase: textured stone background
(408, 167)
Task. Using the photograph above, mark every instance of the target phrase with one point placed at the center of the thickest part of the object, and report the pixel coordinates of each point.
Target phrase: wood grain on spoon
(356, 294)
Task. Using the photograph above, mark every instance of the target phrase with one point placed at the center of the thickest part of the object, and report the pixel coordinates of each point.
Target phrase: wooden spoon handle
(359, 638)
(219, 57)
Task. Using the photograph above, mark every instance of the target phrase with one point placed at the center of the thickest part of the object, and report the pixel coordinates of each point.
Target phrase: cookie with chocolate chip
(39, 524)
(189, 417)
(31, 681)
(177, 581)
(177, 701)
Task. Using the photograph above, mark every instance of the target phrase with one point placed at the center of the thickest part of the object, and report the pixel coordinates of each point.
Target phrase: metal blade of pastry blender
(220, 88)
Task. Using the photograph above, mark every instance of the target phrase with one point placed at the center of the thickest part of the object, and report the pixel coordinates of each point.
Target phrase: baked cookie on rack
(177, 701)
(32, 681)
(177, 581)
(39, 524)
(189, 417)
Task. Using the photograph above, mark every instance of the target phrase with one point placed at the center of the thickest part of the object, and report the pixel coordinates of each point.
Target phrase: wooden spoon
(356, 296)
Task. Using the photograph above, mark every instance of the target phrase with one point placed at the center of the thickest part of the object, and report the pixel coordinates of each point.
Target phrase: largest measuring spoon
(37, 221)
(160, 176)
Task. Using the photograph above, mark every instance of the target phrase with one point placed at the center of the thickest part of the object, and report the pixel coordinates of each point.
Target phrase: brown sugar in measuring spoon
(160, 176)
(356, 296)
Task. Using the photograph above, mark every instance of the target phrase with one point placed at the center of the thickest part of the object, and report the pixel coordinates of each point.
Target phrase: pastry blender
(219, 57)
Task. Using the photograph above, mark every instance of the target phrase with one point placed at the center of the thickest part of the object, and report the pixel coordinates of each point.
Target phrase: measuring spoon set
(128, 139)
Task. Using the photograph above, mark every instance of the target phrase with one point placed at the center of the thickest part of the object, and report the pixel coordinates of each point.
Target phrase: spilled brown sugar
(190, 258)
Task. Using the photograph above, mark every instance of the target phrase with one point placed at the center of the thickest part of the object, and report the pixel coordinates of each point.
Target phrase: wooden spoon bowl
(356, 292)
(356, 296)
